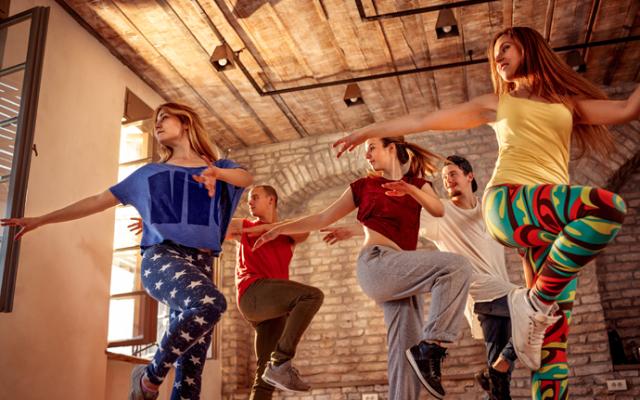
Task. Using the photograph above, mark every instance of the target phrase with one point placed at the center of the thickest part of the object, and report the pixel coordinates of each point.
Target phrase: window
(22, 39)
(135, 319)
(133, 315)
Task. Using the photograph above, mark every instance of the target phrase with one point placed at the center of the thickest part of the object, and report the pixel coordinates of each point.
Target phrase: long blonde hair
(198, 138)
(550, 78)
(423, 162)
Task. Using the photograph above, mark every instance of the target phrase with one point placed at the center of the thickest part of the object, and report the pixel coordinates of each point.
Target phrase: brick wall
(619, 270)
(343, 354)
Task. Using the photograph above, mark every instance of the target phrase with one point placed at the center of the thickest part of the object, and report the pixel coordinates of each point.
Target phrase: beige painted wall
(52, 345)
(118, 372)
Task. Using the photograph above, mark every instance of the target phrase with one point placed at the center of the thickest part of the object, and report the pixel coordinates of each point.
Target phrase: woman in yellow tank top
(538, 106)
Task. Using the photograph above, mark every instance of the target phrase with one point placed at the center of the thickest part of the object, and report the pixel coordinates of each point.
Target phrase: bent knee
(461, 266)
(213, 309)
(612, 207)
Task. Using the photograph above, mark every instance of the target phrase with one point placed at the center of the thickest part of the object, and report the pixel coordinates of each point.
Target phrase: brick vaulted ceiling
(286, 44)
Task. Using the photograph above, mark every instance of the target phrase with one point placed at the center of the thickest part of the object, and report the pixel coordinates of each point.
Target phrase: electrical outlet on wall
(370, 396)
(617, 385)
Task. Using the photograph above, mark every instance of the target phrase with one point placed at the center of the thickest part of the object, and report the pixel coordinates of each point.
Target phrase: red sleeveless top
(269, 261)
(397, 218)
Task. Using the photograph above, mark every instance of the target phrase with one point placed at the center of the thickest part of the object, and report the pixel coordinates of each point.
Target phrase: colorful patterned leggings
(557, 229)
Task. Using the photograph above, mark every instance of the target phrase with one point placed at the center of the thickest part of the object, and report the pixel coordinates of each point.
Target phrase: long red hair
(549, 77)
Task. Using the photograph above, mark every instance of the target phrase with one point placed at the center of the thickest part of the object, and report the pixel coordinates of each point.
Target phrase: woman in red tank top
(391, 271)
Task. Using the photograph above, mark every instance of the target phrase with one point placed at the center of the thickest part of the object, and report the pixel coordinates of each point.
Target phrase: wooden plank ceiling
(291, 43)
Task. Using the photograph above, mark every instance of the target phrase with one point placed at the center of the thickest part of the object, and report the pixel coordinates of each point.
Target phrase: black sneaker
(426, 360)
(482, 377)
(500, 382)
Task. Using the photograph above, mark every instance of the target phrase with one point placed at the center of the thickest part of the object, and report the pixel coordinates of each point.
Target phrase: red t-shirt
(397, 218)
(269, 261)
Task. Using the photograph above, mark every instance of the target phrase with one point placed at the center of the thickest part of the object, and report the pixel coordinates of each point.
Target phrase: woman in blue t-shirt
(391, 271)
(186, 201)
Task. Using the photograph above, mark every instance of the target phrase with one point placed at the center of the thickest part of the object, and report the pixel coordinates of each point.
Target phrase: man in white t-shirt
(462, 230)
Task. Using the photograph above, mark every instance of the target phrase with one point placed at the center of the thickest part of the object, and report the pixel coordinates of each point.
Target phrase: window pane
(126, 170)
(10, 93)
(122, 236)
(121, 319)
(134, 141)
(163, 323)
(125, 275)
(16, 44)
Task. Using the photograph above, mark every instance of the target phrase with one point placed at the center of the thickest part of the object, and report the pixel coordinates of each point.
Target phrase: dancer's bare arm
(471, 114)
(425, 195)
(335, 234)
(234, 231)
(260, 229)
(341, 207)
(136, 226)
(235, 176)
(77, 210)
(609, 112)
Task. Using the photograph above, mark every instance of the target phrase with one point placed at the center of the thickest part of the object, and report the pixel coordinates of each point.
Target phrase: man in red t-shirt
(279, 310)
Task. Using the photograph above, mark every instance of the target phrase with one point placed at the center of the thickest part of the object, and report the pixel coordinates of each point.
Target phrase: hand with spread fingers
(350, 142)
(337, 234)
(266, 237)
(26, 224)
(208, 177)
(136, 226)
(258, 229)
(398, 188)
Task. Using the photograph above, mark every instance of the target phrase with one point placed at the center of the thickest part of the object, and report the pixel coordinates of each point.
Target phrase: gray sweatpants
(397, 280)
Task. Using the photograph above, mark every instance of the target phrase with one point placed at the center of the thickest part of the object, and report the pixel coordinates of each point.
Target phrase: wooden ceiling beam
(273, 71)
(618, 52)
(238, 97)
(548, 21)
(507, 12)
(205, 102)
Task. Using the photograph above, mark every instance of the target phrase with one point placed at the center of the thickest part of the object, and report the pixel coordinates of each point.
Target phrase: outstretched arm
(425, 195)
(260, 229)
(471, 114)
(341, 207)
(77, 210)
(235, 176)
(335, 234)
(609, 112)
(234, 231)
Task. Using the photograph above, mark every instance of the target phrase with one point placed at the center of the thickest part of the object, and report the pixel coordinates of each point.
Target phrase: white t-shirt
(462, 231)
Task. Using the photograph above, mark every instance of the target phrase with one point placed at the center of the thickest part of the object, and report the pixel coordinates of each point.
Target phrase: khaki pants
(280, 311)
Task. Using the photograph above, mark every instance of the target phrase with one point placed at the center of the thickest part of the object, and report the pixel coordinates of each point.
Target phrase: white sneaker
(528, 327)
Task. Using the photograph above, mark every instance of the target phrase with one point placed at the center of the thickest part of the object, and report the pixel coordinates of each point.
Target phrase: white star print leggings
(180, 277)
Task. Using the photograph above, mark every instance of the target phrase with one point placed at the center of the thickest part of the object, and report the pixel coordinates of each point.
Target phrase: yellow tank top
(533, 142)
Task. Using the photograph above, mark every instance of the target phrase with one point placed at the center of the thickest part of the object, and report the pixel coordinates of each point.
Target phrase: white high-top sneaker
(528, 326)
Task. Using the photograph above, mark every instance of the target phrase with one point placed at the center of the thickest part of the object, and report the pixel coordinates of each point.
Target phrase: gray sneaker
(137, 393)
(285, 377)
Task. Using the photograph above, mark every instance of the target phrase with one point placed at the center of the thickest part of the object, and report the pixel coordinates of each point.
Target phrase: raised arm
(341, 207)
(234, 230)
(260, 229)
(609, 112)
(471, 114)
(77, 210)
(335, 234)
(425, 195)
(235, 176)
